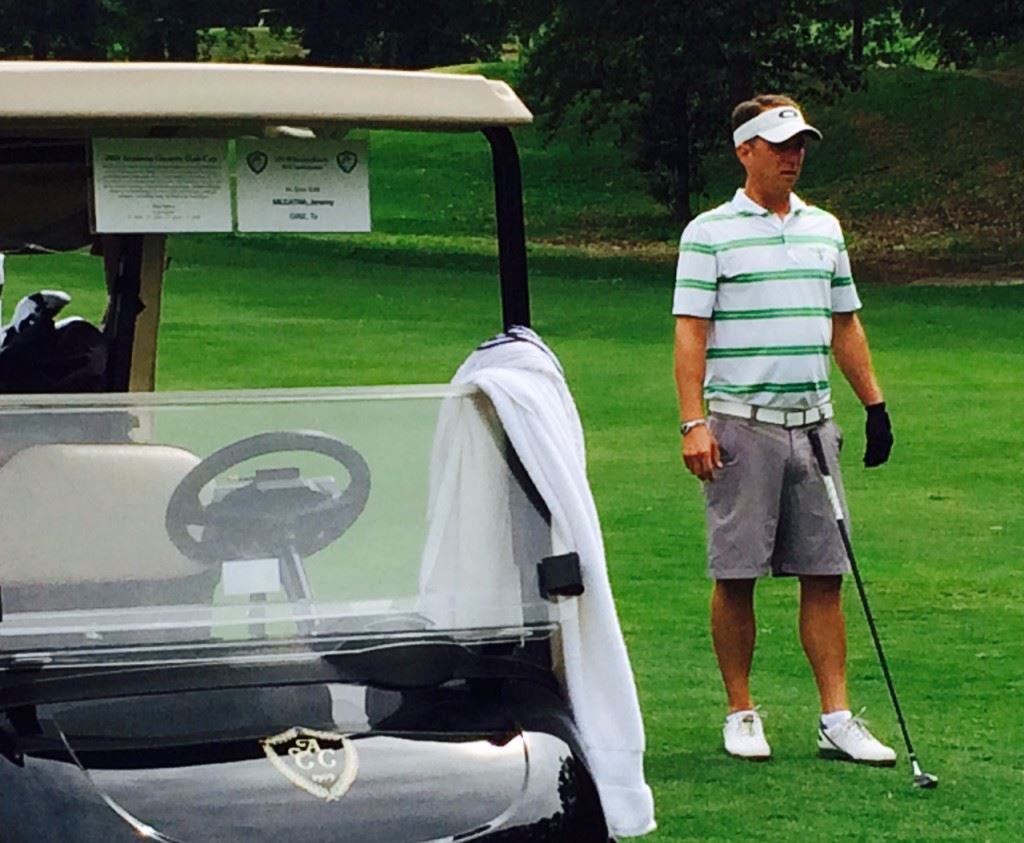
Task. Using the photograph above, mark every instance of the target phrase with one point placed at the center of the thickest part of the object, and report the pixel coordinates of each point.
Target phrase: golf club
(921, 779)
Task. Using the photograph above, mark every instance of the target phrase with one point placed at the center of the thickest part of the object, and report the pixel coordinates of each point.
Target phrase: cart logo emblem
(257, 161)
(347, 160)
(324, 764)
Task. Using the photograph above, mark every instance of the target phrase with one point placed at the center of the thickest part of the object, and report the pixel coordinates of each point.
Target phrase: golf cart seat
(110, 497)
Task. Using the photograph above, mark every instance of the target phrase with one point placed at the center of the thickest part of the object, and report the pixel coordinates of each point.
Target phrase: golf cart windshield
(177, 526)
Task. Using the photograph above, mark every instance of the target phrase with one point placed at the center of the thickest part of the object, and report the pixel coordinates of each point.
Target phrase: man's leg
(733, 633)
(823, 635)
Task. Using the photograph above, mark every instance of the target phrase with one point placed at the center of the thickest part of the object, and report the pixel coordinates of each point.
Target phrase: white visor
(775, 126)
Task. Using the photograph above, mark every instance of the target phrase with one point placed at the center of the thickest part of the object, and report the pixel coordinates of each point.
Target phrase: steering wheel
(274, 513)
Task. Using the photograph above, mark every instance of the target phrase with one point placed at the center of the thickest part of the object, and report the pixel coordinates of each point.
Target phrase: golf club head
(926, 781)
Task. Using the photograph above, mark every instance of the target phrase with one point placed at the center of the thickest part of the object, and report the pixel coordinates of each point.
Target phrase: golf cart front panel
(267, 618)
(259, 516)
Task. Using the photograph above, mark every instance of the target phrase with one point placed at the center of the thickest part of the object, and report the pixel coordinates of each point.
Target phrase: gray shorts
(767, 508)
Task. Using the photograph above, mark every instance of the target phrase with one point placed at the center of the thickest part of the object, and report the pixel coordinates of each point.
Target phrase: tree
(42, 28)
(399, 33)
(169, 30)
(958, 30)
(377, 33)
(666, 75)
(99, 29)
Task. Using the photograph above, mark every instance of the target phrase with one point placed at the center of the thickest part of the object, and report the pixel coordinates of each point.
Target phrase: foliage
(379, 33)
(101, 29)
(70, 28)
(666, 80)
(256, 44)
(961, 30)
(398, 33)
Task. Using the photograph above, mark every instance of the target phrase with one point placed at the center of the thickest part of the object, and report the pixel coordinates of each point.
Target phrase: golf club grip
(819, 451)
(830, 485)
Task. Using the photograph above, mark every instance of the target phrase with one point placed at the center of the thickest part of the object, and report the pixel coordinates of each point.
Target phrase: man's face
(776, 166)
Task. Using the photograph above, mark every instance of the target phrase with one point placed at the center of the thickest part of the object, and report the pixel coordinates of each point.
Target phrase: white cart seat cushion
(90, 513)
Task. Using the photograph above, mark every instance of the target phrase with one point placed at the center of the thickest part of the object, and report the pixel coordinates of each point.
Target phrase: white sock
(739, 715)
(834, 718)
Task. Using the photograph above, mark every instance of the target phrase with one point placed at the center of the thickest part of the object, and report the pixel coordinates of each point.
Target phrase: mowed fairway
(939, 532)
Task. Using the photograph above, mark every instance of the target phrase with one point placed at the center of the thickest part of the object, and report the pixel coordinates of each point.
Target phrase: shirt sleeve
(844, 291)
(696, 274)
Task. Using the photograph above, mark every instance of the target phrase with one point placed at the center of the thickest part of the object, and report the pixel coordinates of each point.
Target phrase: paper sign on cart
(155, 185)
(287, 184)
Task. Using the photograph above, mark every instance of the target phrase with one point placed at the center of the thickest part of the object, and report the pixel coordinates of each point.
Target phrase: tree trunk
(681, 208)
(857, 47)
(741, 79)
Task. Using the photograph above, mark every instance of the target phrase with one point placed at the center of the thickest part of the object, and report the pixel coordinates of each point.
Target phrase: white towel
(524, 381)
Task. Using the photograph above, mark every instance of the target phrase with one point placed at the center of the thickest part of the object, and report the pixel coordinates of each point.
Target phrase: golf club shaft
(819, 456)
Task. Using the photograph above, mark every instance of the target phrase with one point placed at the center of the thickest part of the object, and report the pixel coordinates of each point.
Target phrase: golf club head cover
(878, 435)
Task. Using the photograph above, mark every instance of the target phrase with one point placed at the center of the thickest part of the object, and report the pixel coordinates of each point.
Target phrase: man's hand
(700, 452)
(878, 435)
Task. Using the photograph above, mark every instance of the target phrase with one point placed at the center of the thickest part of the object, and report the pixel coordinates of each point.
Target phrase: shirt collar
(742, 202)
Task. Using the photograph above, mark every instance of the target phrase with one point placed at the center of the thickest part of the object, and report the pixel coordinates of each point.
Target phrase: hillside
(923, 167)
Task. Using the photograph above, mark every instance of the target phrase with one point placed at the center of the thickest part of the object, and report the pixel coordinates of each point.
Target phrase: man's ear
(743, 152)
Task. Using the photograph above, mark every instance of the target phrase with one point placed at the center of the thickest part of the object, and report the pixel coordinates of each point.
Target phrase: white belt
(785, 418)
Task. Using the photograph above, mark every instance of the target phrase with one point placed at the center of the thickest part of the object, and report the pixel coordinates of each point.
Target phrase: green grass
(939, 532)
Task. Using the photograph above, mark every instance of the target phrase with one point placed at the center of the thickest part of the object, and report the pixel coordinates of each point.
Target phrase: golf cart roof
(133, 99)
(50, 112)
(83, 98)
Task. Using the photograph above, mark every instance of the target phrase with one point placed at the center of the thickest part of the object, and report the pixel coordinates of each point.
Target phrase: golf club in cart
(921, 779)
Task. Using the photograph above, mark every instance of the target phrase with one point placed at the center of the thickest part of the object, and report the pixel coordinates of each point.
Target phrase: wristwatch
(687, 426)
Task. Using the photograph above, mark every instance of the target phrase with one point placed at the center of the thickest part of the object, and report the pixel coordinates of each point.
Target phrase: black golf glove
(878, 435)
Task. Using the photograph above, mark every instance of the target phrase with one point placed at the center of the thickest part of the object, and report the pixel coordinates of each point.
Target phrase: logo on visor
(788, 114)
(324, 764)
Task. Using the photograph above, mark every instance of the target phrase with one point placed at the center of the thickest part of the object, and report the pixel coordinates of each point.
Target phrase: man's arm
(850, 347)
(699, 449)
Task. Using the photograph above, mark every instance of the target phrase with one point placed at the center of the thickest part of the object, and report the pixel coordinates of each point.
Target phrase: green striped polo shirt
(769, 287)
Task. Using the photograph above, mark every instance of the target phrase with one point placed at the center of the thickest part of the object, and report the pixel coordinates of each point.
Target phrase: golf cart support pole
(921, 779)
(508, 200)
(125, 306)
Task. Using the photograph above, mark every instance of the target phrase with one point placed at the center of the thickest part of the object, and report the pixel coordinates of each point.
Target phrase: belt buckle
(794, 418)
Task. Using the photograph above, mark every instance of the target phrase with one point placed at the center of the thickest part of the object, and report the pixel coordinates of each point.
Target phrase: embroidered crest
(324, 764)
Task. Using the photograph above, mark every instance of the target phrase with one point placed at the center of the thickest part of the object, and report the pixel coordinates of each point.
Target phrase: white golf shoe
(744, 736)
(850, 740)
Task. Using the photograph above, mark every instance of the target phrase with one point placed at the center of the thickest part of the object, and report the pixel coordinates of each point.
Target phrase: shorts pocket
(727, 446)
(837, 432)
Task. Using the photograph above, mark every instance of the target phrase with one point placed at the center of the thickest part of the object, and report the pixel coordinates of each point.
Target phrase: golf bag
(41, 355)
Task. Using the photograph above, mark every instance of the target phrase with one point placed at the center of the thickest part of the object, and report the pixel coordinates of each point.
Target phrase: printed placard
(157, 185)
(251, 576)
(290, 184)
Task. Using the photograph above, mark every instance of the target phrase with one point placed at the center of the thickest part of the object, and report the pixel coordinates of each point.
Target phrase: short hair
(749, 109)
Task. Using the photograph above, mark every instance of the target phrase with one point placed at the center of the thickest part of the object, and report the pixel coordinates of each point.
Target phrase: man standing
(763, 293)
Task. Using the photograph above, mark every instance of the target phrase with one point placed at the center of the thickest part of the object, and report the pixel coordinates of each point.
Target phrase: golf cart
(250, 615)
